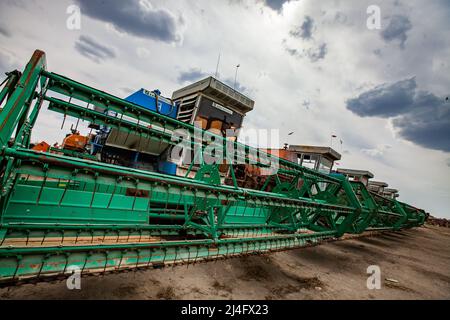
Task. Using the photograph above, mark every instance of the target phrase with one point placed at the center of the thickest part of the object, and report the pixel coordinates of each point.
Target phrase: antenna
(217, 67)
(235, 76)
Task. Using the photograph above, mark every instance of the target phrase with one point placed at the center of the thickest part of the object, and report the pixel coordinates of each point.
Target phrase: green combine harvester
(67, 210)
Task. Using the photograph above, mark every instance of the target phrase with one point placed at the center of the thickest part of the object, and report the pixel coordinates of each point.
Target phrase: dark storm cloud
(191, 75)
(419, 116)
(385, 100)
(275, 4)
(305, 30)
(428, 123)
(93, 50)
(396, 30)
(132, 17)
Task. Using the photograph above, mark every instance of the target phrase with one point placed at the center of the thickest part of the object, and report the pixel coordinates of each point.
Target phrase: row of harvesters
(62, 210)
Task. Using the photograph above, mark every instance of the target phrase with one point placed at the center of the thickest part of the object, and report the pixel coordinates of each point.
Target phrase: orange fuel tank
(75, 142)
(41, 146)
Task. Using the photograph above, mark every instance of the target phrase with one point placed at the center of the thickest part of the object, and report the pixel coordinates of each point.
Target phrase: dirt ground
(418, 259)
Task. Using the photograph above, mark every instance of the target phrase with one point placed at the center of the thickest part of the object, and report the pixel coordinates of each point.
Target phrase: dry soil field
(418, 259)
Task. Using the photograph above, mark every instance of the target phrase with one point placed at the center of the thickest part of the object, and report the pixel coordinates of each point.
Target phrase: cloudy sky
(312, 67)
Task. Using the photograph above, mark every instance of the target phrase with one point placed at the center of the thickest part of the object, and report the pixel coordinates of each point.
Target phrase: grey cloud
(7, 64)
(275, 4)
(14, 3)
(93, 50)
(4, 66)
(292, 52)
(191, 75)
(306, 104)
(237, 87)
(317, 54)
(4, 31)
(133, 18)
(428, 123)
(340, 17)
(305, 30)
(377, 152)
(448, 162)
(384, 100)
(418, 116)
(127, 90)
(396, 30)
(313, 54)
